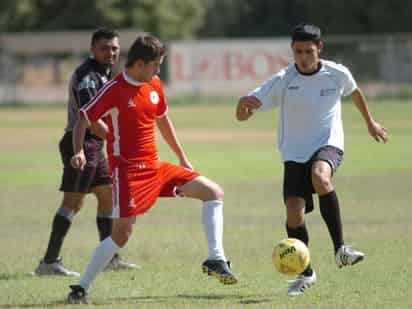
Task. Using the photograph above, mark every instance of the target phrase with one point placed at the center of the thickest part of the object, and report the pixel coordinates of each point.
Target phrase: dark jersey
(86, 80)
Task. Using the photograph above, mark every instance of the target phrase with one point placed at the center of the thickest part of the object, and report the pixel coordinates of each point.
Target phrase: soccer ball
(291, 256)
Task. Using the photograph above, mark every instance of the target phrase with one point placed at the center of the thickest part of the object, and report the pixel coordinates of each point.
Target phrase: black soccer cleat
(78, 295)
(220, 270)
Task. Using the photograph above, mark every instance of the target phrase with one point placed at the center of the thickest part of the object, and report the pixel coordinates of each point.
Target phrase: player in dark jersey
(86, 80)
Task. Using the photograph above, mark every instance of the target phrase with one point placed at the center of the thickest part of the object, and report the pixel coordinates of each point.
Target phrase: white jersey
(310, 108)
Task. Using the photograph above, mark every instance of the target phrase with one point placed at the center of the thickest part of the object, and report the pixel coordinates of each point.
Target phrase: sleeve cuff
(164, 114)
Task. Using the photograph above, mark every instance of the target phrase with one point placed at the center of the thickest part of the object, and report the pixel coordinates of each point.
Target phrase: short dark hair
(103, 33)
(146, 47)
(306, 32)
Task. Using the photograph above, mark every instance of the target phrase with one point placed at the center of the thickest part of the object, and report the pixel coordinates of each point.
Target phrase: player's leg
(122, 230)
(104, 222)
(123, 190)
(294, 193)
(74, 186)
(212, 196)
(212, 213)
(51, 264)
(328, 201)
(104, 216)
(71, 204)
(325, 161)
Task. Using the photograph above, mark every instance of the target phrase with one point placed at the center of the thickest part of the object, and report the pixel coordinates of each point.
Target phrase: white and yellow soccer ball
(291, 256)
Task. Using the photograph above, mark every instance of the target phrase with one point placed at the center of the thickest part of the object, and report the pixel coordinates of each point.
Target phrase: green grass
(373, 184)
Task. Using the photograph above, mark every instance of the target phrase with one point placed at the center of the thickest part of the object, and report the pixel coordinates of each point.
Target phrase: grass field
(374, 186)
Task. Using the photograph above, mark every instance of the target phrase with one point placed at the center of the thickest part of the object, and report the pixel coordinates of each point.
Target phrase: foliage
(172, 19)
(166, 18)
(276, 17)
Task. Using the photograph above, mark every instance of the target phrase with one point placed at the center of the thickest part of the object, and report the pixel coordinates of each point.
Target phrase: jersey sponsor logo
(293, 87)
(327, 91)
(131, 104)
(87, 83)
(154, 97)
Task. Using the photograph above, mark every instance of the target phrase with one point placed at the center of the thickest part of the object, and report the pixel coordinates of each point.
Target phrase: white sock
(212, 218)
(101, 257)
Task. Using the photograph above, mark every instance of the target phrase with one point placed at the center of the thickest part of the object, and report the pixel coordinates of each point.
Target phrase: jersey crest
(154, 97)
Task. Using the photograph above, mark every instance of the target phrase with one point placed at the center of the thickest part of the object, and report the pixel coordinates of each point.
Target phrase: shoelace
(301, 287)
(297, 279)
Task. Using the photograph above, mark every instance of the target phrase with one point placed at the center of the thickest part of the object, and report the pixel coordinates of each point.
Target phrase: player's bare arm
(100, 129)
(168, 132)
(376, 130)
(246, 107)
(78, 160)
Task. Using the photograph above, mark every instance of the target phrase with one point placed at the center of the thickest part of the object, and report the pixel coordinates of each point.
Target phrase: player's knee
(72, 203)
(218, 192)
(321, 179)
(212, 191)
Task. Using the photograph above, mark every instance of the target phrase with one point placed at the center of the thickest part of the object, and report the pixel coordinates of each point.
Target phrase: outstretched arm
(246, 107)
(168, 132)
(78, 161)
(377, 131)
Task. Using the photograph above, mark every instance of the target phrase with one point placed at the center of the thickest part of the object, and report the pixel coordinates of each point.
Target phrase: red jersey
(130, 108)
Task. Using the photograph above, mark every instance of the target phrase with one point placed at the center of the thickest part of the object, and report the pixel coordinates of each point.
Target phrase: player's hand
(377, 131)
(78, 161)
(250, 104)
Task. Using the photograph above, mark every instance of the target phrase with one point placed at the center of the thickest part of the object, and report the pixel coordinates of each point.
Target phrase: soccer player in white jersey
(310, 138)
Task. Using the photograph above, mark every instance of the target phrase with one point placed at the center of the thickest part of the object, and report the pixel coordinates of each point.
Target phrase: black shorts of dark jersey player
(95, 173)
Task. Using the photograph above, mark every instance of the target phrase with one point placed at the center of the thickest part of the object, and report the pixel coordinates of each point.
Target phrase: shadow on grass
(54, 303)
(241, 299)
(236, 298)
(15, 276)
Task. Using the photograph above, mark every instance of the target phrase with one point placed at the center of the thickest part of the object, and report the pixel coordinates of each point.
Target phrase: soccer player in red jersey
(133, 102)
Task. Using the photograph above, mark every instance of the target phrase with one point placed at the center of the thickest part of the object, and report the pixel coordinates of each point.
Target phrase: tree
(265, 18)
(168, 19)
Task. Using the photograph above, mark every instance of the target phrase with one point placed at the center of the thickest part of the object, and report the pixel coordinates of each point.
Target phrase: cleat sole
(227, 280)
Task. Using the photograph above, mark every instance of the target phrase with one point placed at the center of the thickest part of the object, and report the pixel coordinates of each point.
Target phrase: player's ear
(320, 46)
(93, 50)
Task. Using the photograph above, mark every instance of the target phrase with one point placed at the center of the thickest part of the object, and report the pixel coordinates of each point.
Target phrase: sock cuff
(66, 213)
(104, 214)
(327, 196)
(213, 203)
(303, 226)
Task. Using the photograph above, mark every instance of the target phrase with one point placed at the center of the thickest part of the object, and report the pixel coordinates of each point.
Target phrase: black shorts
(96, 171)
(297, 179)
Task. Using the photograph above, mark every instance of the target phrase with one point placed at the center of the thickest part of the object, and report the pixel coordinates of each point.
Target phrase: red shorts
(136, 187)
